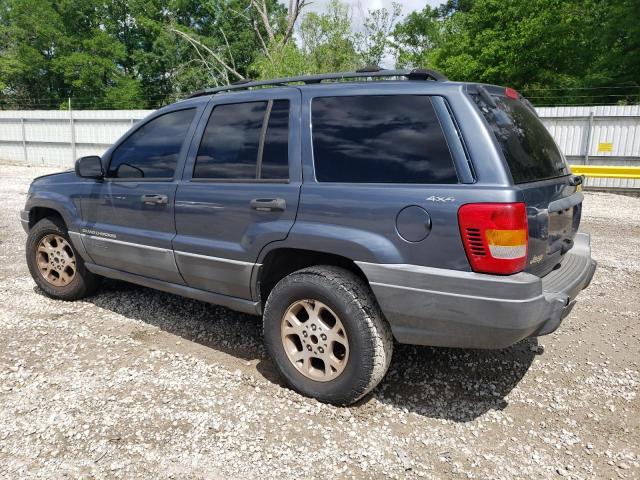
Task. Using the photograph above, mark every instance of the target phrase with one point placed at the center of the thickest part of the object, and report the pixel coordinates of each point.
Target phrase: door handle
(154, 199)
(268, 204)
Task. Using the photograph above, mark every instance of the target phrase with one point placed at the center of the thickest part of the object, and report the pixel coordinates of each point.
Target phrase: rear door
(240, 188)
(538, 168)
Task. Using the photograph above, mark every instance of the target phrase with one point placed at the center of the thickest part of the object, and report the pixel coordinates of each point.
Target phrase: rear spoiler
(483, 91)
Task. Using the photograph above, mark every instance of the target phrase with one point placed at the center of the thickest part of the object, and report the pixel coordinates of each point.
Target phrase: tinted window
(379, 139)
(152, 150)
(526, 144)
(275, 156)
(229, 147)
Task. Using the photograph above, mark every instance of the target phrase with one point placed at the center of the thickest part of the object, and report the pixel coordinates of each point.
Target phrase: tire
(81, 284)
(331, 291)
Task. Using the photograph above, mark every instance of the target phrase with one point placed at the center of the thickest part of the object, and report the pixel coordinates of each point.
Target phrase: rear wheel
(54, 264)
(327, 335)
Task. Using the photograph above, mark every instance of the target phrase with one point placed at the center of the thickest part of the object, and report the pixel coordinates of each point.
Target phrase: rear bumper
(431, 306)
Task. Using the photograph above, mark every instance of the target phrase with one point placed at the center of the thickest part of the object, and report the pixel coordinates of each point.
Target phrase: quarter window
(245, 141)
(152, 150)
(379, 139)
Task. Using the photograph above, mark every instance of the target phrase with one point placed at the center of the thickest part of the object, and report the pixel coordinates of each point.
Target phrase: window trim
(240, 180)
(181, 153)
(381, 184)
(261, 142)
(455, 141)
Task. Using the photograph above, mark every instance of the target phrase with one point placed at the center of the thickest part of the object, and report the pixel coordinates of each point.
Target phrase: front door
(240, 189)
(128, 219)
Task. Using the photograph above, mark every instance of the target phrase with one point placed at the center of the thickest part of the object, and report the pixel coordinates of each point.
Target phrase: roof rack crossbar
(415, 74)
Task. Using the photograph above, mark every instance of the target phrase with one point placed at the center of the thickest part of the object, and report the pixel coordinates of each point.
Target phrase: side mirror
(89, 167)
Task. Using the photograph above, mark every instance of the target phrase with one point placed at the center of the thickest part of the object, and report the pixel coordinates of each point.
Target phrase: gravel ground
(134, 383)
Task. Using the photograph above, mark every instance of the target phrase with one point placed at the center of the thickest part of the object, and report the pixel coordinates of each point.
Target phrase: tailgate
(554, 209)
(552, 195)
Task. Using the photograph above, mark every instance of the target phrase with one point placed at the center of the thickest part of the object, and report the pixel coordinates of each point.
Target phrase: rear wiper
(486, 96)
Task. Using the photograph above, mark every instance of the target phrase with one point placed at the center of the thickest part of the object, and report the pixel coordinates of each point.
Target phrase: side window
(245, 141)
(379, 139)
(152, 150)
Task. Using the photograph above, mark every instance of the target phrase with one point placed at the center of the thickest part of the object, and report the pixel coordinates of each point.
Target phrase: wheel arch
(45, 208)
(43, 204)
(37, 213)
(279, 262)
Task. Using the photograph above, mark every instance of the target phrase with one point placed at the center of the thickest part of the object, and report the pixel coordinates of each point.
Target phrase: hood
(57, 177)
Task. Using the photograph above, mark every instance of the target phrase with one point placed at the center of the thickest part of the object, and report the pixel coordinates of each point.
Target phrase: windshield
(526, 144)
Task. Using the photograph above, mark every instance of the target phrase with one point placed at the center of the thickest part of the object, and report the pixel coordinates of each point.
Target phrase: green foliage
(146, 53)
(554, 51)
(375, 39)
(116, 53)
(327, 40)
(329, 43)
(283, 61)
(417, 37)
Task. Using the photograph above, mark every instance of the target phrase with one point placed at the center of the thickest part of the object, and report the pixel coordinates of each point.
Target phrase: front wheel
(326, 334)
(54, 264)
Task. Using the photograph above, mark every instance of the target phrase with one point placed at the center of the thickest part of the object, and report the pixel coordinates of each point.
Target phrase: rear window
(526, 144)
(379, 139)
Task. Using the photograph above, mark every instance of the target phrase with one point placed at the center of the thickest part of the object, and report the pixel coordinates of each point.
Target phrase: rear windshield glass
(526, 144)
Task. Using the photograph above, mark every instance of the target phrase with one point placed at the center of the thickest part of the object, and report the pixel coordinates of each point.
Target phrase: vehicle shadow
(452, 384)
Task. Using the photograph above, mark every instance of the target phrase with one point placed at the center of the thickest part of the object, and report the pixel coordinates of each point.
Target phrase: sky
(407, 5)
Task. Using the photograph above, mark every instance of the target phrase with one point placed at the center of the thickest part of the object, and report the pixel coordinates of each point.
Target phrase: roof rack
(372, 71)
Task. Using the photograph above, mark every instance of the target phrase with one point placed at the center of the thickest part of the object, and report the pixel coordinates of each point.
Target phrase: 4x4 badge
(433, 198)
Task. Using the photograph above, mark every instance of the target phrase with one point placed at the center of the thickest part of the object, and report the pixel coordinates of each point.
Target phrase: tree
(415, 39)
(556, 52)
(326, 39)
(375, 40)
(329, 43)
(273, 29)
(146, 53)
(121, 53)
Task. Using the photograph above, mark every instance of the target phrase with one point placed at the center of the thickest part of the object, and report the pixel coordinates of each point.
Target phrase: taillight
(495, 236)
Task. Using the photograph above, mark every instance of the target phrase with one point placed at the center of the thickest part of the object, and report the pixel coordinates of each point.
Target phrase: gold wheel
(56, 260)
(314, 340)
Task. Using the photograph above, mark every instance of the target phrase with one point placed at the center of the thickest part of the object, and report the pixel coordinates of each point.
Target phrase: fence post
(588, 142)
(24, 141)
(73, 134)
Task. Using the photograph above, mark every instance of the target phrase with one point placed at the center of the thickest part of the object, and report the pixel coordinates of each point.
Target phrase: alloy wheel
(56, 260)
(315, 340)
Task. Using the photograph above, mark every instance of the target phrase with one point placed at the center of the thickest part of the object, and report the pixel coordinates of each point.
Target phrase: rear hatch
(552, 195)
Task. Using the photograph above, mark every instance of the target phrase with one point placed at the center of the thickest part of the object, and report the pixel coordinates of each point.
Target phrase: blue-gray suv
(347, 209)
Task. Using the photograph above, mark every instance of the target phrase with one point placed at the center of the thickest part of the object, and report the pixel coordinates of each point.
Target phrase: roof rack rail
(372, 71)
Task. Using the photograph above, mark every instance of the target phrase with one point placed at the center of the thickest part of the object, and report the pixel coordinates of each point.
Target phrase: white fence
(599, 135)
(57, 137)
